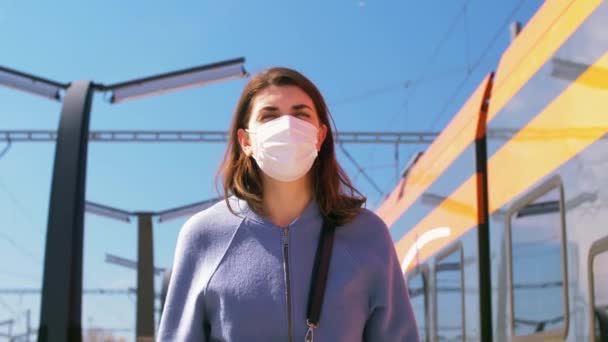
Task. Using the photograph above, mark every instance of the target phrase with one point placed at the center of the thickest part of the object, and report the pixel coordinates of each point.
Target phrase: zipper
(287, 279)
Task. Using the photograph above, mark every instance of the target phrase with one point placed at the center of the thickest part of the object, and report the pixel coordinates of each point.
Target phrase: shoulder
(367, 218)
(367, 238)
(210, 226)
(366, 224)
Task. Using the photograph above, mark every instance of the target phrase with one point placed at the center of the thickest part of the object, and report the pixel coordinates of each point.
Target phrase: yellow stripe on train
(579, 113)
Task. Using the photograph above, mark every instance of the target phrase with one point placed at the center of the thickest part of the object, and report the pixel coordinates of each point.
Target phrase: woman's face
(275, 101)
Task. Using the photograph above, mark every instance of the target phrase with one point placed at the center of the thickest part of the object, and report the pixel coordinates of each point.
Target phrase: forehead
(280, 96)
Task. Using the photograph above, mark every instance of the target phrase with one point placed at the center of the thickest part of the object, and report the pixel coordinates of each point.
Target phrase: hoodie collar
(310, 214)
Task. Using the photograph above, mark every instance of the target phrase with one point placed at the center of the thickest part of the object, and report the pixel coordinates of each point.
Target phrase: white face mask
(285, 148)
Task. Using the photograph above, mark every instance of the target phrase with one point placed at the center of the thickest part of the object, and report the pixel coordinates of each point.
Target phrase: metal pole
(9, 325)
(62, 280)
(483, 230)
(145, 278)
(360, 169)
(154, 136)
(515, 29)
(396, 163)
(28, 325)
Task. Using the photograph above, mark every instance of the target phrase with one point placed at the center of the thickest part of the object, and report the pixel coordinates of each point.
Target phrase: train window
(599, 289)
(417, 285)
(537, 272)
(449, 292)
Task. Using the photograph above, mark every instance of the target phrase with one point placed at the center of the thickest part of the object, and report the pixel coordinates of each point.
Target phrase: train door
(598, 290)
(419, 297)
(537, 272)
(449, 286)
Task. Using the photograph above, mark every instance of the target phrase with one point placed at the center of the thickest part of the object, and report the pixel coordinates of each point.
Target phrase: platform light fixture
(109, 212)
(128, 263)
(61, 300)
(187, 210)
(177, 80)
(31, 84)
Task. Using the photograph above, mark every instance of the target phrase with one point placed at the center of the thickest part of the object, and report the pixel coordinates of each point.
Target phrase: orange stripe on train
(450, 144)
(547, 31)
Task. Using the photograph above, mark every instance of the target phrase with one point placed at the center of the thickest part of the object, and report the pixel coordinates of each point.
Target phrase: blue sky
(361, 54)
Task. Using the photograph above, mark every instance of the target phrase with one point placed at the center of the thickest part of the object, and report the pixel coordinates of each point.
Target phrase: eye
(302, 115)
(264, 117)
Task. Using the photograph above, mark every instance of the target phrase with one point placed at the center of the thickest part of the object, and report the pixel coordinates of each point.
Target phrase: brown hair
(337, 198)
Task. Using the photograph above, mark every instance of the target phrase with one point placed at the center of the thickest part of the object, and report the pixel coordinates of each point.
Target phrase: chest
(260, 291)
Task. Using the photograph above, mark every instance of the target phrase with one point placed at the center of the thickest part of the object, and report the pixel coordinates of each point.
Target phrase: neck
(285, 201)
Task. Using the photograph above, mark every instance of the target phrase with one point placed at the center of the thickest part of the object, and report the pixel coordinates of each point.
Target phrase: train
(501, 224)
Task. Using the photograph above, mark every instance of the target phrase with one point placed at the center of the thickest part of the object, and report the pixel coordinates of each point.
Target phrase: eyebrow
(295, 107)
(301, 106)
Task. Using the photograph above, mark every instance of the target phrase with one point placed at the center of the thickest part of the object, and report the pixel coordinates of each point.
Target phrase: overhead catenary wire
(470, 67)
(422, 76)
(102, 305)
(105, 329)
(4, 272)
(5, 149)
(476, 64)
(86, 291)
(408, 83)
(394, 86)
(8, 307)
(360, 170)
(10, 240)
(467, 43)
(368, 94)
(444, 39)
(19, 248)
(16, 202)
(425, 71)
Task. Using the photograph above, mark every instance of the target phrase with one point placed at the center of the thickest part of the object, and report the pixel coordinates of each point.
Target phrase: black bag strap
(319, 277)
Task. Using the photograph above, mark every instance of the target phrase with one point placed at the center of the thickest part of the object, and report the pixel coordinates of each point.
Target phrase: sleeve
(182, 318)
(391, 315)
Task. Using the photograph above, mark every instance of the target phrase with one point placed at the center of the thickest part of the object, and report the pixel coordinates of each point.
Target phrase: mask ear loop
(250, 132)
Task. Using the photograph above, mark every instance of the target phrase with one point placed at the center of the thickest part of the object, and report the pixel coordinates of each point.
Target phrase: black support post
(483, 241)
(483, 231)
(60, 314)
(145, 278)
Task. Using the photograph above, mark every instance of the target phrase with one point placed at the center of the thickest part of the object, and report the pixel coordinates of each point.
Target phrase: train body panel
(457, 137)
(546, 164)
(430, 214)
(559, 143)
(424, 190)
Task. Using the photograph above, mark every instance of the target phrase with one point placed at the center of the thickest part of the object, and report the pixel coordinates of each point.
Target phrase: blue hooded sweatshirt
(243, 278)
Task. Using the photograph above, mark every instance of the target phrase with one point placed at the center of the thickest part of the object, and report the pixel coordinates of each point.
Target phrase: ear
(321, 134)
(245, 142)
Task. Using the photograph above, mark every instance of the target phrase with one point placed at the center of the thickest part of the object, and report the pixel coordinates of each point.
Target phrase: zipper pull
(285, 237)
(310, 333)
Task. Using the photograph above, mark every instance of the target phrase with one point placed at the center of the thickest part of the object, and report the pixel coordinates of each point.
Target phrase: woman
(242, 269)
